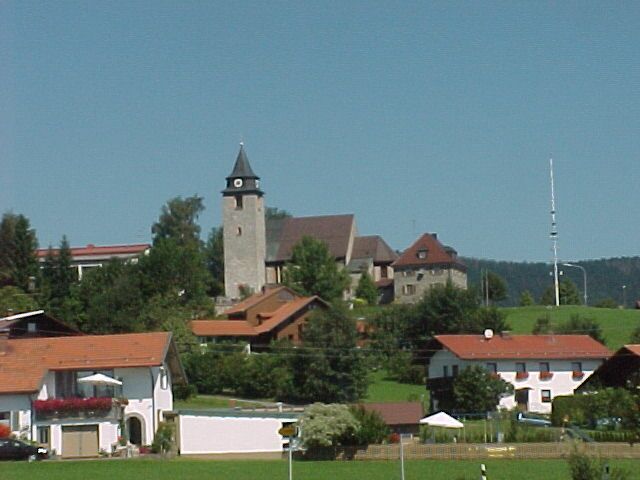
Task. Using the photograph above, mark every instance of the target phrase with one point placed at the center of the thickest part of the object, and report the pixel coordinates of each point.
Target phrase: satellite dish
(488, 334)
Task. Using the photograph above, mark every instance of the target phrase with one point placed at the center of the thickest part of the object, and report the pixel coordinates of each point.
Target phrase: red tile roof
(100, 250)
(242, 328)
(635, 349)
(436, 254)
(397, 413)
(474, 347)
(255, 299)
(26, 361)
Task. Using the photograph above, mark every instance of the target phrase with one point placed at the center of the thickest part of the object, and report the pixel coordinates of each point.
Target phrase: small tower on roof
(244, 231)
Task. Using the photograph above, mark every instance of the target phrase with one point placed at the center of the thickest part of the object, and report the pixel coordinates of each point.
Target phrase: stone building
(426, 263)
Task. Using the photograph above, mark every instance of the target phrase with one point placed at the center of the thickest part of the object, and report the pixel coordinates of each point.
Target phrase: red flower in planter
(522, 375)
(546, 375)
(394, 438)
(5, 431)
(577, 374)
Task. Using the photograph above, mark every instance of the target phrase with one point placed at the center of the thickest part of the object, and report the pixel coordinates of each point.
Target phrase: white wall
(201, 434)
(20, 408)
(561, 383)
(137, 387)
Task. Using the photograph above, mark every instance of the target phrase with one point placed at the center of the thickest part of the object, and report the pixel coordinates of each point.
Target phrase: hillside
(616, 324)
(605, 277)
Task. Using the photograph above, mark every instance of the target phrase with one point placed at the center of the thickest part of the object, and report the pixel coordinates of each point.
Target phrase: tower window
(238, 202)
(239, 231)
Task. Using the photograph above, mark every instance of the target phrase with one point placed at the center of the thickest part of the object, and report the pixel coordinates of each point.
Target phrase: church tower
(243, 229)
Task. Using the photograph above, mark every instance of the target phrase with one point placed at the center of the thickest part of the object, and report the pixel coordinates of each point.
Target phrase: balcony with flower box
(546, 376)
(67, 408)
(577, 375)
(522, 375)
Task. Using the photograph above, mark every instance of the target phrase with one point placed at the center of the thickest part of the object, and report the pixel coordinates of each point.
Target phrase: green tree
(58, 278)
(214, 256)
(325, 425)
(497, 287)
(542, 326)
(579, 325)
(18, 244)
(477, 390)
(526, 299)
(313, 271)
(606, 303)
(13, 300)
(273, 213)
(371, 428)
(366, 289)
(447, 309)
(568, 291)
(178, 221)
(329, 367)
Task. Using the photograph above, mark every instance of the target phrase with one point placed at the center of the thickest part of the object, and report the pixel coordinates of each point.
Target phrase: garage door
(80, 441)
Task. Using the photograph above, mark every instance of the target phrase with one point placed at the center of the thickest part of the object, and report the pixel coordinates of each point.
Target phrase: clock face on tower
(237, 183)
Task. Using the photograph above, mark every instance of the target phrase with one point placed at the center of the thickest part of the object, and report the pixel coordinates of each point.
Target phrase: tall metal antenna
(554, 236)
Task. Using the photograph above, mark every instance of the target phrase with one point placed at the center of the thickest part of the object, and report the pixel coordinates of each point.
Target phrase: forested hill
(605, 278)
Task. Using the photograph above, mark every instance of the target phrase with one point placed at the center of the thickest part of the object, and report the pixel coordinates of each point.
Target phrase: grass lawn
(616, 324)
(383, 389)
(189, 469)
(203, 402)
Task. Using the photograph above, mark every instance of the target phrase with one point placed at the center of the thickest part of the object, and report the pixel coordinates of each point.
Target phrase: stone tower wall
(244, 244)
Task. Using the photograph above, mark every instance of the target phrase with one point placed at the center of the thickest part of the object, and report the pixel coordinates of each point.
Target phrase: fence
(469, 451)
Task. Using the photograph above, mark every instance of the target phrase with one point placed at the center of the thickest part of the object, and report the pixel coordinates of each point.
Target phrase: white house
(43, 398)
(540, 367)
(229, 431)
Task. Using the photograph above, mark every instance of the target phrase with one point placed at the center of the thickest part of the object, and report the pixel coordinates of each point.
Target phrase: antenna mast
(554, 236)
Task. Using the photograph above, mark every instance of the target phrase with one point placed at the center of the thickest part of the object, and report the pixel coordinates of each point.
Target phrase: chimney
(4, 341)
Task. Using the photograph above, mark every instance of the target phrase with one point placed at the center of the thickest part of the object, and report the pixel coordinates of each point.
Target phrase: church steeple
(242, 180)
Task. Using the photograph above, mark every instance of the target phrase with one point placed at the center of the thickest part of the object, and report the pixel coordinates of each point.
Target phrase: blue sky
(414, 116)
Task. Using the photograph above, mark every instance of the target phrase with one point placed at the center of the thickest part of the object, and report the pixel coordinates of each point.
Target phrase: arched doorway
(134, 429)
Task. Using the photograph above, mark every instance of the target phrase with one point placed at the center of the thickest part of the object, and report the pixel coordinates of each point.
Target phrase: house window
(544, 367)
(420, 276)
(422, 253)
(409, 289)
(43, 435)
(492, 367)
(445, 370)
(546, 396)
(454, 370)
(384, 271)
(164, 378)
(238, 202)
(15, 421)
(239, 231)
(521, 367)
(31, 327)
(65, 384)
(576, 366)
(5, 418)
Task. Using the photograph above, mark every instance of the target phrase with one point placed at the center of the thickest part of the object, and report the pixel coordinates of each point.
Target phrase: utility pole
(554, 236)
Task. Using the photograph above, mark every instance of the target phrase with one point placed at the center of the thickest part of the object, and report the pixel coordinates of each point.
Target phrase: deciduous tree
(313, 271)
(477, 390)
(178, 221)
(366, 289)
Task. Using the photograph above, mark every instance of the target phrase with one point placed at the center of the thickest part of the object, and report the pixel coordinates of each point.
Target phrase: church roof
(334, 230)
(242, 168)
(374, 247)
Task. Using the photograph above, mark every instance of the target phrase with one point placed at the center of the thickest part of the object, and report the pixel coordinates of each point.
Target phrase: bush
(585, 467)
(163, 441)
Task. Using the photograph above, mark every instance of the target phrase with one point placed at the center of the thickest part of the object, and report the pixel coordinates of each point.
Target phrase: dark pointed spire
(242, 180)
(242, 168)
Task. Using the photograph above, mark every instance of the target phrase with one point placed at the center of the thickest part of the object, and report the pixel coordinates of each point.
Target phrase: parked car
(11, 449)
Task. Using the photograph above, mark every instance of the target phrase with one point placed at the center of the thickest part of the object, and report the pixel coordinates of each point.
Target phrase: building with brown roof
(400, 417)
(424, 264)
(540, 367)
(620, 370)
(50, 393)
(92, 256)
(35, 324)
(258, 249)
(277, 313)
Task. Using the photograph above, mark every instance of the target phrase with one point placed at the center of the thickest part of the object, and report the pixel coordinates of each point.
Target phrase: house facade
(44, 399)
(424, 264)
(540, 367)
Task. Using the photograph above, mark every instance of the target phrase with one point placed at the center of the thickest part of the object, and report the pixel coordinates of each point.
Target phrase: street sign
(289, 431)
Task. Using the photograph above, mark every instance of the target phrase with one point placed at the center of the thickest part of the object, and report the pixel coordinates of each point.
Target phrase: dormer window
(422, 253)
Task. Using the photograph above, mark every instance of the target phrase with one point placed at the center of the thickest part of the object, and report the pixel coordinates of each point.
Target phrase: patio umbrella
(99, 379)
(441, 419)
